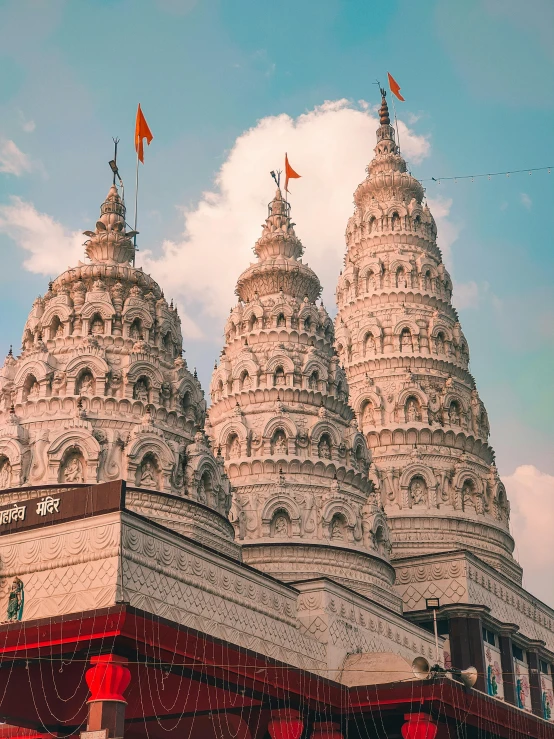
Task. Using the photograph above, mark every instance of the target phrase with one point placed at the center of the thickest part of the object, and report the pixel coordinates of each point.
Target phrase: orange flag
(290, 174)
(141, 132)
(395, 87)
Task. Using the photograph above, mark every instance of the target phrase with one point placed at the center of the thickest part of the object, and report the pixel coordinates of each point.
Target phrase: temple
(323, 553)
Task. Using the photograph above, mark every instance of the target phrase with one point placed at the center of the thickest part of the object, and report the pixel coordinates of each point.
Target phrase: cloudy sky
(227, 86)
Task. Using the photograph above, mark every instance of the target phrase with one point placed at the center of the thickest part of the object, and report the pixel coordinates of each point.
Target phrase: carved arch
(143, 368)
(280, 422)
(279, 360)
(325, 427)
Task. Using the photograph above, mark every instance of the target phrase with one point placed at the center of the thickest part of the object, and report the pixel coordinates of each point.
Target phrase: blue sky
(478, 80)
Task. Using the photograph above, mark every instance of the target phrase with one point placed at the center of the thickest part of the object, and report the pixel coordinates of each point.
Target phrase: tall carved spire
(406, 360)
(303, 504)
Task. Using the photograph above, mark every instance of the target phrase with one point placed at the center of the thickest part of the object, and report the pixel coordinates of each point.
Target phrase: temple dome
(100, 391)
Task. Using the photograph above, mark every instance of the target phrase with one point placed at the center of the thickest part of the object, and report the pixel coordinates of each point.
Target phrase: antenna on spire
(277, 177)
(113, 162)
(115, 170)
(381, 89)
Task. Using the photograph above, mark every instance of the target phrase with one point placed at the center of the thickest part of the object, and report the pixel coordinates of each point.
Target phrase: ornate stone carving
(100, 390)
(280, 415)
(396, 326)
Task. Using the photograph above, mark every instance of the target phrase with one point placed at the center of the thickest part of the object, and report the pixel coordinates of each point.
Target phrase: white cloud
(29, 126)
(531, 494)
(50, 247)
(330, 147)
(13, 160)
(466, 295)
(526, 200)
(448, 231)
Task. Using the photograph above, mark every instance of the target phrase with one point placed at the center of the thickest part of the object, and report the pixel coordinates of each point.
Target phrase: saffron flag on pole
(142, 131)
(290, 174)
(395, 87)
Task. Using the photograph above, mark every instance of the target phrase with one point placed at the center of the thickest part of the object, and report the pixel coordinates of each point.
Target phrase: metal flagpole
(136, 208)
(395, 118)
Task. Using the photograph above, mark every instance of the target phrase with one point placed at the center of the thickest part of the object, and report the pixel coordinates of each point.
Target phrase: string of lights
(488, 175)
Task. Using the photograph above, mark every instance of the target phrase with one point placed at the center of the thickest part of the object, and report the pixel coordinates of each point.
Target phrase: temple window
(281, 320)
(245, 382)
(313, 380)
(395, 222)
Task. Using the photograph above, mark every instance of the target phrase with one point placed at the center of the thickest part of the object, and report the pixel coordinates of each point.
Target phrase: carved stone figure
(412, 410)
(15, 601)
(324, 449)
(140, 391)
(234, 449)
(5, 474)
(73, 470)
(368, 416)
(34, 390)
(97, 326)
(281, 526)
(59, 383)
(148, 474)
(434, 408)
(280, 443)
(454, 414)
(116, 381)
(336, 529)
(418, 491)
(87, 384)
(165, 394)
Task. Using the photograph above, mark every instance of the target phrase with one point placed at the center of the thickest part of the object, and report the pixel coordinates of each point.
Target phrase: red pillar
(326, 730)
(107, 680)
(285, 724)
(418, 726)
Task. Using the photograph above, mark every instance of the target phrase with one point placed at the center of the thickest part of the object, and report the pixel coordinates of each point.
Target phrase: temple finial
(384, 117)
